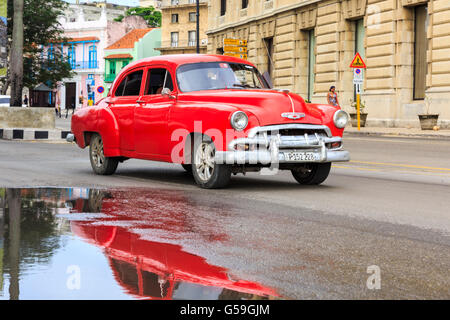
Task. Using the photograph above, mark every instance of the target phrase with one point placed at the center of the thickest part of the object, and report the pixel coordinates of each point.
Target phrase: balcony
(182, 44)
(93, 64)
(110, 77)
(165, 4)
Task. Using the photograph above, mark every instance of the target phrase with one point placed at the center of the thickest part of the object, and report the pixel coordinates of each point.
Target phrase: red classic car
(215, 115)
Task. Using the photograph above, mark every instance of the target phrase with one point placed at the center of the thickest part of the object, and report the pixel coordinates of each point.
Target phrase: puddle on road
(78, 243)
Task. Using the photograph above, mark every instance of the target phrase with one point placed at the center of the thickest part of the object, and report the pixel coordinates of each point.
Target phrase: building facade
(308, 45)
(90, 29)
(135, 45)
(179, 26)
(147, 3)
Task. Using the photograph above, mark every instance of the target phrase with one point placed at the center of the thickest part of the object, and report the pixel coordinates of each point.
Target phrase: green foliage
(150, 15)
(3, 8)
(41, 28)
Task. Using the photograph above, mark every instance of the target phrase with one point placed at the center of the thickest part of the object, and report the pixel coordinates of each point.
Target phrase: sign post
(358, 65)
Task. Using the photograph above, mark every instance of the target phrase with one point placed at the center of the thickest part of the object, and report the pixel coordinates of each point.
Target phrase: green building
(135, 45)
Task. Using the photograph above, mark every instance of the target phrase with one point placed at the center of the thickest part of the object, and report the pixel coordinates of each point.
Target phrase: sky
(122, 2)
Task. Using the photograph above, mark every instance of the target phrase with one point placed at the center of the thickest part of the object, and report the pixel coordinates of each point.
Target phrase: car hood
(267, 105)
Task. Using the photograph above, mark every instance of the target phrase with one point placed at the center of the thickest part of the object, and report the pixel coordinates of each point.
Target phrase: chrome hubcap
(97, 153)
(204, 161)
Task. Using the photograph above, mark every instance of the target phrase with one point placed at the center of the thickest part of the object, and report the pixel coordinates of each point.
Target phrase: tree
(16, 61)
(150, 15)
(42, 30)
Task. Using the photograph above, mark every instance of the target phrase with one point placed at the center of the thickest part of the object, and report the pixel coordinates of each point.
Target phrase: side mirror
(167, 93)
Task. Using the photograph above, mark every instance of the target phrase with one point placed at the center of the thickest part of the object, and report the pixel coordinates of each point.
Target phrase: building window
(112, 67)
(175, 18)
(72, 56)
(174, 39)
(192, 38)
(192, 16)
(311, 63)
(92, 57)
(244, 4)
(420, 52)
(223, 7)
(268, 47)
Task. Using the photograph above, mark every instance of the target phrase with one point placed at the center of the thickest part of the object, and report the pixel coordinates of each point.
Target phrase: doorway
(71, 88)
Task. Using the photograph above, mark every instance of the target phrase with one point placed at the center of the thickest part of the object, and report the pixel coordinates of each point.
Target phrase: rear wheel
(206, 172)
(100, 164)
(312, 173)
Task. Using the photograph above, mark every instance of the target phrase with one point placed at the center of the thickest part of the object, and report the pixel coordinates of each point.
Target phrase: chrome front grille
(290, 136)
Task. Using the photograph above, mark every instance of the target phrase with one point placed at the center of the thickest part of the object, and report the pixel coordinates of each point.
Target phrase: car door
(123, 102)
(152, 114)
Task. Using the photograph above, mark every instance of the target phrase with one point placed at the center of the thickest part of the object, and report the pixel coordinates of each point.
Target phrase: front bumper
(268, 145)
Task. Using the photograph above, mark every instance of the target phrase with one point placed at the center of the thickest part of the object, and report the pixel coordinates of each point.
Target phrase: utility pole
(198, 26)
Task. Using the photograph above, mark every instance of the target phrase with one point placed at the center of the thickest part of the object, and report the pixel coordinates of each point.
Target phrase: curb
(26, 134)
(398, 135)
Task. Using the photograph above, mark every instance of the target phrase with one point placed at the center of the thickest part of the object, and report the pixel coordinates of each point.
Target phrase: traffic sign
(235, 49)
(234, 42)
(358, 77)
(358, 62)
(100, 89)
(236, 55)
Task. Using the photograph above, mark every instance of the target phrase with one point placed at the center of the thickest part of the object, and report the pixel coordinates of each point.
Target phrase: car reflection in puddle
(132, 249)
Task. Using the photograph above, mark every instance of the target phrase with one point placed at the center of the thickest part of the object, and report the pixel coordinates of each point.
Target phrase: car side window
(130, 85)
(157, 79)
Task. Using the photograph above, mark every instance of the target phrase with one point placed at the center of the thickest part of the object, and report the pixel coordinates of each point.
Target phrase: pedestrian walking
(72, 106)
(332, 97)
(25, 101)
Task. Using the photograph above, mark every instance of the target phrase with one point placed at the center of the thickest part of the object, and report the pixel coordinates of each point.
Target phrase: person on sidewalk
(25, 101)
(332, 97)
(72, 106)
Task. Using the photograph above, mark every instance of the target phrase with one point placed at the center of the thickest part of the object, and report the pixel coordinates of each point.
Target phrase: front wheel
(206, 172)
(100, 164)
(312, 173)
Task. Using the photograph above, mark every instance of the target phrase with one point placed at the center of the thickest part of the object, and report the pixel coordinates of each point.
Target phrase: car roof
(179, 59)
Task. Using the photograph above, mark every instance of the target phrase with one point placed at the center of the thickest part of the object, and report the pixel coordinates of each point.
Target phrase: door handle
(140, 101)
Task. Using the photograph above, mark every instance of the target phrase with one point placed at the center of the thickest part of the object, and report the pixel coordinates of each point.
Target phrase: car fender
(108, 128)
(326, 112)
(215, 123)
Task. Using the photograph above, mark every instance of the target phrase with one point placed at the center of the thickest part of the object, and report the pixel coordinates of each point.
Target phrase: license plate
(301, 156)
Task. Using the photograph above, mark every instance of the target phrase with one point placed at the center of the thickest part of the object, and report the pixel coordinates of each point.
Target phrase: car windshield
(218, 75)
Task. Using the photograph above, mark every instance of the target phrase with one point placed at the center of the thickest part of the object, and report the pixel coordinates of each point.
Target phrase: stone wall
(27, 118)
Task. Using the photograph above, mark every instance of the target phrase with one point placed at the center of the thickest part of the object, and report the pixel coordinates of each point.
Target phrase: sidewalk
(397, 132)
(63, 123)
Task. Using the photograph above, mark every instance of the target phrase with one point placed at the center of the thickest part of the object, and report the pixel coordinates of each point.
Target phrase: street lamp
(198, 26)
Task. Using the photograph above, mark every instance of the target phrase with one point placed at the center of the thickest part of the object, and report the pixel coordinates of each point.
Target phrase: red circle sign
(100, 89)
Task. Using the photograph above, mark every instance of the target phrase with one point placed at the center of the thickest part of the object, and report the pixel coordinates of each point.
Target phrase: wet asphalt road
(389, 207)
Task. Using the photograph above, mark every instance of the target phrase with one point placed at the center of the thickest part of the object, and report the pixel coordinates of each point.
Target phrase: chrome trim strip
(254, 131)
(285, 142)
(267, 157)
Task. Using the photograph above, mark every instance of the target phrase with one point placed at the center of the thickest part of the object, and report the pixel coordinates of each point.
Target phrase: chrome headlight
(239, 120)
(340, 119)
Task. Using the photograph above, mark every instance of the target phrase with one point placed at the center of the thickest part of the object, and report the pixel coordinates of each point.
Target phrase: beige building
(147, 3)
(179, 24)
(308, 45)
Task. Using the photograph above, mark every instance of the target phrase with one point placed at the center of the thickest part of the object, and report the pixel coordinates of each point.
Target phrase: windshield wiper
(245, 86)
